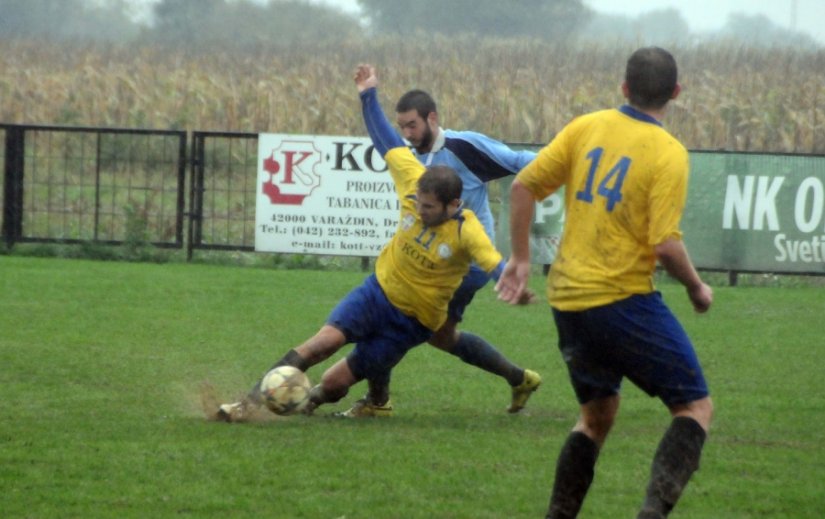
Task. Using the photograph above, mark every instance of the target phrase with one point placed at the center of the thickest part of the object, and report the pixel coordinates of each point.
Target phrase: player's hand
(365, 77)
(701, 296)
(512, 284)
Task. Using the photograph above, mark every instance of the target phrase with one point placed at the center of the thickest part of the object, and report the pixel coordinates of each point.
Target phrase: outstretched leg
(473, 350)
(317, 348)
(476, 351)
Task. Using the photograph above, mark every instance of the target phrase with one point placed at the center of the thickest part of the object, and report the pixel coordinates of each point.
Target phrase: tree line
(245, 23)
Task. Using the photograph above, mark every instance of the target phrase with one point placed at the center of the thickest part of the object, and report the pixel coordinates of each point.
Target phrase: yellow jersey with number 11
(421, 267)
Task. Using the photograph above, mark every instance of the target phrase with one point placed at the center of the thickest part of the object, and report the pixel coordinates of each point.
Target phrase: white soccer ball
(285, 390)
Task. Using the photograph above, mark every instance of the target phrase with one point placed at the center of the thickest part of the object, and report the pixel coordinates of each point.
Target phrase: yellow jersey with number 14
(421, 267)
(625, 181)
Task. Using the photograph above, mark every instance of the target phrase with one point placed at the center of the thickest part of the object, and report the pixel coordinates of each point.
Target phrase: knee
(708, 408)
(700, 410)
(446, 337)
(597, 418)
(322, 345)
(704, 412)
(335, 383)
(596, 426)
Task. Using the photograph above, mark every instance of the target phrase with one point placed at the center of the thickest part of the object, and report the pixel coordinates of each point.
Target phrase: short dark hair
(442, 181)
(417, 100)
(651, 77)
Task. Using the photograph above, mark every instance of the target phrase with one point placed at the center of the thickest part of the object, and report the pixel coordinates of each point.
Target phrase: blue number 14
(613, 193)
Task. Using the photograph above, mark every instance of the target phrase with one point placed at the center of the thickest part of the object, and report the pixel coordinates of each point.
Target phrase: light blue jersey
(477, 159)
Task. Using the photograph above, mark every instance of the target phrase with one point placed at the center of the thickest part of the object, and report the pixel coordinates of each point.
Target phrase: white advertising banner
(325, 195)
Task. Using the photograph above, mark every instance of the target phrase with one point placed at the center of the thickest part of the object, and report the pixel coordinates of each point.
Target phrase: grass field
(101, 364)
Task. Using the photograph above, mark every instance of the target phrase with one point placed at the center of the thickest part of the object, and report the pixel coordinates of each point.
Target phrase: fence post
(13, 186)
(195, 214)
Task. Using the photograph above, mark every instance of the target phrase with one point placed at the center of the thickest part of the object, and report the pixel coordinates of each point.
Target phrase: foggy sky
(701, 15)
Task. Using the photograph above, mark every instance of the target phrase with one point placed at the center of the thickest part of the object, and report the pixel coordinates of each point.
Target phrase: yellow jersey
(421, 267)
(625, 181)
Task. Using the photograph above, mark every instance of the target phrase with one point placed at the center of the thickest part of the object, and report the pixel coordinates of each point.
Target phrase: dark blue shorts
(473, 281)
(381, 333)
(638, 338)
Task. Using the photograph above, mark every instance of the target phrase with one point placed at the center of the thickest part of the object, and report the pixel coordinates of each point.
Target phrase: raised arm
(383, 135)
(365, 77)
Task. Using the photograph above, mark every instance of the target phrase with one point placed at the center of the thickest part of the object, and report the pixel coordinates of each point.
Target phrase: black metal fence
(222, 193)
(111, 186)
(116, 186)
(75, 185)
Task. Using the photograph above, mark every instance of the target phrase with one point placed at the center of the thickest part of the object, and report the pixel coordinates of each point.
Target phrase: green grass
(101, 364)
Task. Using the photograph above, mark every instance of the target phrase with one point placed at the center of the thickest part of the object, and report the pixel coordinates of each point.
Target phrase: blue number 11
(613, 193)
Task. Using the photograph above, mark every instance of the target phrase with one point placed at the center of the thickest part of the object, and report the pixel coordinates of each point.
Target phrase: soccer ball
(285, 390)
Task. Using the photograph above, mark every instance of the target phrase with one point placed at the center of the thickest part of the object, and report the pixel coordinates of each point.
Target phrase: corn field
(734, 98)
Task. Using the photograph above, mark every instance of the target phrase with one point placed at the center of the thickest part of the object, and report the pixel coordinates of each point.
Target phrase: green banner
(756, 212)
(745, 212)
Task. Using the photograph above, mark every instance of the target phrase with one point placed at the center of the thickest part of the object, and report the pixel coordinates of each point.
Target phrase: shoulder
(467, 219)
(403, 158)
(404, 168)
(671, 141)
(469, 137)
(593, 118)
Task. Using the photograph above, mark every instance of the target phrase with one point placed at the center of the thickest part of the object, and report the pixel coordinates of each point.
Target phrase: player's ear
(432, 119)
(625, 90)
(676, 91)
(453, 206)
